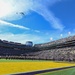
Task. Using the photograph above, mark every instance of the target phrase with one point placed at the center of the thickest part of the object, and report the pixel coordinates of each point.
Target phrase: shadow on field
(44, 71)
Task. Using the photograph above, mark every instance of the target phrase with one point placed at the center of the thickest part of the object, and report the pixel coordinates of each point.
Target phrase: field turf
(14, 60)
(70, 71)
(21, 66)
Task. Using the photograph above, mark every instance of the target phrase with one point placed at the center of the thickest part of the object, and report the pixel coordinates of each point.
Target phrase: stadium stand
(60, 50)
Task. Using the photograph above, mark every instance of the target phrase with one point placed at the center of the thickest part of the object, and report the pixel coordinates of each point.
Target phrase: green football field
(70, 71)
(19, 60)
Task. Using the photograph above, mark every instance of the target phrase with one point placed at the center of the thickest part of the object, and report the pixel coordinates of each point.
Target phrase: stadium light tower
(69, 33)
(61, 35)
(51, 39)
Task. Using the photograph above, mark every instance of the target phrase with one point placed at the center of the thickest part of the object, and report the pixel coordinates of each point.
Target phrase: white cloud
(4, 23)
(22, 38)
(10, 10)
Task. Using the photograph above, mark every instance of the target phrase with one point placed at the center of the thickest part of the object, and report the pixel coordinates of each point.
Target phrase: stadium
(37, 37)
(59, 53)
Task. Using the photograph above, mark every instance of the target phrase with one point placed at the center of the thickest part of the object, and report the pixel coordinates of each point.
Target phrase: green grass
(19, 60)
(70, 71)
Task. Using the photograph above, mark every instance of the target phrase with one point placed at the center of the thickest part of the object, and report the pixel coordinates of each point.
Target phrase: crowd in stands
(60, 50)
(60, 54)
(56, 42)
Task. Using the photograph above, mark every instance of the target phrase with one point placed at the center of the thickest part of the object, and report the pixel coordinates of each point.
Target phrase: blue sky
(39, 21)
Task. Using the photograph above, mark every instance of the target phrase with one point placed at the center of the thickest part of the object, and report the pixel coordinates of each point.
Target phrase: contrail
(13, 25)
(49, 16)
